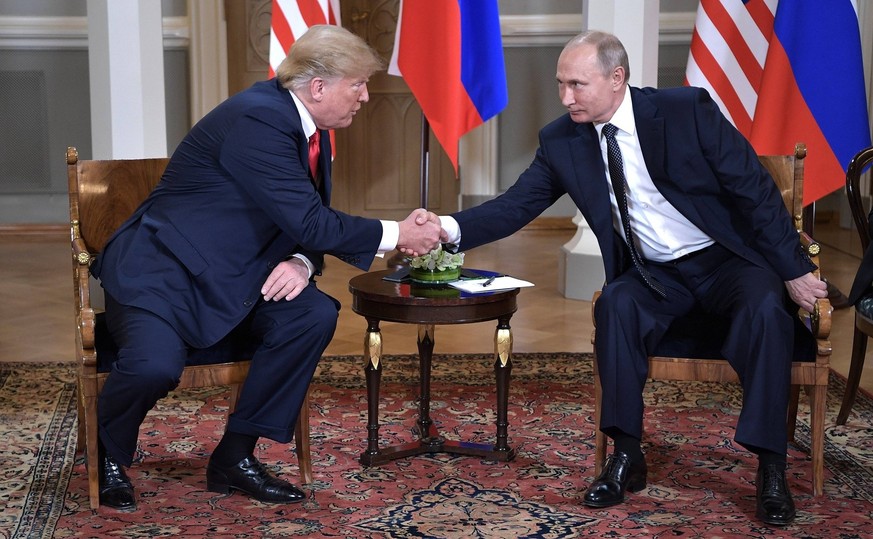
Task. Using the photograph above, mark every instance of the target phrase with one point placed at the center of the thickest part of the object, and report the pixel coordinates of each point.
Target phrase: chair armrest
(86, 323)
(820, 318)
(86, 318)
(810, 246)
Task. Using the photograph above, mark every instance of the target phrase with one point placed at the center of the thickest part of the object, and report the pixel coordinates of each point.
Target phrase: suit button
(248, 303)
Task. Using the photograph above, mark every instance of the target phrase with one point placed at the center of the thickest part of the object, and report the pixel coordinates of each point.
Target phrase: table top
(408, 302)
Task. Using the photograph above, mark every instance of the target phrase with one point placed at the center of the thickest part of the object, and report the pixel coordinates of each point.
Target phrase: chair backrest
(787, 172)
(103, 194)
(853, 191)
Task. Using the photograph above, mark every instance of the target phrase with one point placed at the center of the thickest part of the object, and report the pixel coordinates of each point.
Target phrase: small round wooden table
(376, 300)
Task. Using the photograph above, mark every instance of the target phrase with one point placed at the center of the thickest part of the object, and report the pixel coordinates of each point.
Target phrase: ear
(316, 88)
(618, 77)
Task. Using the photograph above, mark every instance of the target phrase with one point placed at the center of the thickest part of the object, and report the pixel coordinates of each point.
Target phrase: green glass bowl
(419, 275)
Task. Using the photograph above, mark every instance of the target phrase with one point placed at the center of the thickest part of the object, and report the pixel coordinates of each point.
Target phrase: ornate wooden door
(376, 172)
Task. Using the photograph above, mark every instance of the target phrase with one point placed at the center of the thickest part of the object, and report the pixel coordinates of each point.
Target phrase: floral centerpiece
(437, 266)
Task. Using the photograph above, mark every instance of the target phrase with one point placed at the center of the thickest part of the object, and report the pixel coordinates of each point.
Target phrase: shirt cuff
(452, 228)
(390, 236)
(306, 261)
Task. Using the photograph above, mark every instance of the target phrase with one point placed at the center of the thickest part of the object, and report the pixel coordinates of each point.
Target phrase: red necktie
(314, 151)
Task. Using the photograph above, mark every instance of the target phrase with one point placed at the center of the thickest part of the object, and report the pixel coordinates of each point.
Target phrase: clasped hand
(806, 289)
(420, 233)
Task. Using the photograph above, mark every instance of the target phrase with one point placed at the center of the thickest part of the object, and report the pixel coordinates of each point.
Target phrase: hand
(419, 233)
(287, 280)
(422, 217)
(805, 290)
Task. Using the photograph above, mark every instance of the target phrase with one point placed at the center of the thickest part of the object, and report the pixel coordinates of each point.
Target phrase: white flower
(438, 260)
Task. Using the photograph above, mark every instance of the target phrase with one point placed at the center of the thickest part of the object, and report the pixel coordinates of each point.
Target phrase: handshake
(420, 233)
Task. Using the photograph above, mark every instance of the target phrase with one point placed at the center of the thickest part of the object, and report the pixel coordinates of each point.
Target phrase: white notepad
(474, 286)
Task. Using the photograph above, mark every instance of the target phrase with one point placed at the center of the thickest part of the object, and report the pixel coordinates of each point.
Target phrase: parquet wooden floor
(36, 307)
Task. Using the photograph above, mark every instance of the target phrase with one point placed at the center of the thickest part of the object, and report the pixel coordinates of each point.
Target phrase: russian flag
(450, 54)
(813, 91)
(786, 72)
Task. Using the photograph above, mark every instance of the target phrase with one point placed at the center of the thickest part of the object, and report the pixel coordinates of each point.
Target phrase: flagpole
(424, 174)
(398, 260)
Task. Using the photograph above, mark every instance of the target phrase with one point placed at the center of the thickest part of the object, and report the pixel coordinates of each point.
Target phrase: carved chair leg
(599, 437)
(817, 406)
(89, 418)
(80, 435)
(793, 400)
(301, 437)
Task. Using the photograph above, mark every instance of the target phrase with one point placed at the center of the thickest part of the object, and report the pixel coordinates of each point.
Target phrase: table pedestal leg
(426, 429)
(373, 373)
(429, 440)
(502, 372)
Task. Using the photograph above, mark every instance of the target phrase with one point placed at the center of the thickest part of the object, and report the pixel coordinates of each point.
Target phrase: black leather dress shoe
(775, 505)
(116, 490)
(250, 476)
(618, 475)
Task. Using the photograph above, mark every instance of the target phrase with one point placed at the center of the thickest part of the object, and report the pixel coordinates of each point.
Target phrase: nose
(365, 94)
(566, 96)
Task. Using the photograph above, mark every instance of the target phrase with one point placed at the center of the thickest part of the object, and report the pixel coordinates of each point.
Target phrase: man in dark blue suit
(231, 239)
(686, 218)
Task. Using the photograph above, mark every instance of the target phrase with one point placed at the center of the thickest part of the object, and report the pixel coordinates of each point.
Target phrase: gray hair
(610, 51)
(328, 52)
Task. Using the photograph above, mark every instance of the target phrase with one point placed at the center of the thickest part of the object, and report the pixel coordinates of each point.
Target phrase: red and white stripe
(728, 52)
(291, 19)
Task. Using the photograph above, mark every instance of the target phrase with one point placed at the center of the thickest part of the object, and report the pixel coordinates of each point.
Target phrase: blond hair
(328, 52)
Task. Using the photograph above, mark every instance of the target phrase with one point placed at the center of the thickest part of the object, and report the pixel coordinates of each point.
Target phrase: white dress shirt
(661, 232)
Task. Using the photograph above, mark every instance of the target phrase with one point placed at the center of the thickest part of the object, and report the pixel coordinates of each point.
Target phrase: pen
(489, 281)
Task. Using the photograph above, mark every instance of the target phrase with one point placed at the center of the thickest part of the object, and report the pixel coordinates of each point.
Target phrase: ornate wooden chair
(864, 306)
(690, 350)
(103, 194)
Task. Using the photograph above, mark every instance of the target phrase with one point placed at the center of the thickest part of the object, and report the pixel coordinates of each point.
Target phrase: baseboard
(35, 231)
(551, 223)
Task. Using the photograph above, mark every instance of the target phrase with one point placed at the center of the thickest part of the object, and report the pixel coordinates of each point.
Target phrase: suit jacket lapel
(653, 143)
(650, 130)
(591, 195)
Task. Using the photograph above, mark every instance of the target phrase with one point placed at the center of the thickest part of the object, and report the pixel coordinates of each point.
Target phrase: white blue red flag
(784, 72)
(450, 54)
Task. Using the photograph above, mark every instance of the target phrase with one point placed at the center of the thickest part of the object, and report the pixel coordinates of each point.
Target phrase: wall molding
(71, 33)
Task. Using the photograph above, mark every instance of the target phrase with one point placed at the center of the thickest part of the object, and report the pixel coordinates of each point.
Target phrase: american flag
(784, 72)
(291, 19)
(728, 52)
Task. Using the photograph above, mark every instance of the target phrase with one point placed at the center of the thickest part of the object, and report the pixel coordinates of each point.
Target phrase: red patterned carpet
(700, 483)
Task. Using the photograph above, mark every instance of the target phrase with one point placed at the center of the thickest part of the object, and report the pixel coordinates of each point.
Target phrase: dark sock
(766, 458)
(233, 447)
(630, 445)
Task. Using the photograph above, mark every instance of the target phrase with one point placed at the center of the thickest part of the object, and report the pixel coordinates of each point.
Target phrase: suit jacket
(235, 200)
(697, 160)
(864, 277)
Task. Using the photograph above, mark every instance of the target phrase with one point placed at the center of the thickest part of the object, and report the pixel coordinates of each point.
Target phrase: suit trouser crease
(151, 357)
(631, 321)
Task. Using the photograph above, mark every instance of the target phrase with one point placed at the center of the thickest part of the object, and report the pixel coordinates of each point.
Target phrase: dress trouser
(631, 321)
(291, 334)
